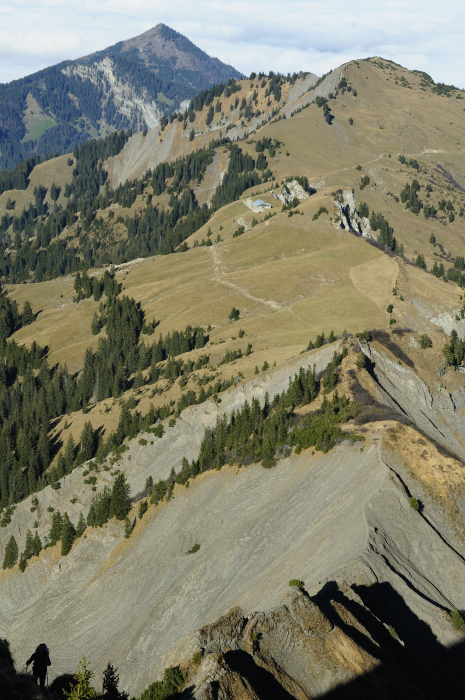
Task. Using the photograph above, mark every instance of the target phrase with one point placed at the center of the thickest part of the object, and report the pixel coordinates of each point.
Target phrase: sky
(255, 36)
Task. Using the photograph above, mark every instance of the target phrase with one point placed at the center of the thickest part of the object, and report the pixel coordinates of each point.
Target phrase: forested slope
(127, 86)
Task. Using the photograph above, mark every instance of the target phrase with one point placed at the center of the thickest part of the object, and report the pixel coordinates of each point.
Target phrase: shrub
(425, 341)
(194, 549)
(297, 582)
(457, 621)
(197, 658)
(414, 503)
(142, 442)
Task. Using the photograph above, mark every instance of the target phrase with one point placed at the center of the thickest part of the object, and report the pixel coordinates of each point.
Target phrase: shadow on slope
(413, 663)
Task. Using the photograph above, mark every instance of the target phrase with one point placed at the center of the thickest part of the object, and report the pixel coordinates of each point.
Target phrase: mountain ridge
(77, 99)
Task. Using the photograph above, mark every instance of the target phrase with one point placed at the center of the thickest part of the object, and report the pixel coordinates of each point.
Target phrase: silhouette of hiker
(40, 660)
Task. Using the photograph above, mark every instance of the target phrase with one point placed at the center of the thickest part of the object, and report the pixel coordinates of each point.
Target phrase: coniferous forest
(33, 248)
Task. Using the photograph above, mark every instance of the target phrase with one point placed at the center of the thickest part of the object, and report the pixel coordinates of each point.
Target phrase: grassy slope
(294, 277)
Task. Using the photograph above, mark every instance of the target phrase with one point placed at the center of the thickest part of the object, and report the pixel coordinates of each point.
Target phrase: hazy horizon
(266, 36)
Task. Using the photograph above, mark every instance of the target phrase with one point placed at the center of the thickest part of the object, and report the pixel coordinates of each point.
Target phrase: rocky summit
(232, 401)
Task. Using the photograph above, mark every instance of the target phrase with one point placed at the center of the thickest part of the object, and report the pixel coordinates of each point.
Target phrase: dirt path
(218, 277)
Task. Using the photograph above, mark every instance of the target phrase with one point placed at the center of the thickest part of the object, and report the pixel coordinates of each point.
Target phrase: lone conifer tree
(11, 553)
(27, 316)
(68, 534)
(81, 688)
(110, 685)
(120, 503)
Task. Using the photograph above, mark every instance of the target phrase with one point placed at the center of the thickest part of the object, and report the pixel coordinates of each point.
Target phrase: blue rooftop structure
(261, 203)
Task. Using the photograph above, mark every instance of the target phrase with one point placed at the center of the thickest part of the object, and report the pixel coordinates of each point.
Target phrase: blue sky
(260, 35)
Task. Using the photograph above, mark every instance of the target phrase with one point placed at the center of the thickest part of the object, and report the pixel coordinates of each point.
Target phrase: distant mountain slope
(128, 85)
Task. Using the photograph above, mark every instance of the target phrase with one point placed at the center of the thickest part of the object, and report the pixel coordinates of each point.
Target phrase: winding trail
(218, 277)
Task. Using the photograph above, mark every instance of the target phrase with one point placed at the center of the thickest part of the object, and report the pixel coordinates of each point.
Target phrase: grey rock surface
(157, 459)
(435, 411)
(131, 600)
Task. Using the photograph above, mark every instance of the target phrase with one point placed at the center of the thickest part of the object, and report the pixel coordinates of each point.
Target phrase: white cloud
(271, 35)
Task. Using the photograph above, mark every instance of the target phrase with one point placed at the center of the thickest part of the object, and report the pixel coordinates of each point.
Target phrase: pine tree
(68, 534)
(120, 503)
(22, 563)
(81, 526)
(27, 316)
(11, 553)
(110, 685)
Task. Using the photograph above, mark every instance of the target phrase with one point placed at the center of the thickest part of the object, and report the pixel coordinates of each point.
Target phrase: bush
(457, 621)
(297, 582)
(197, 658)
(425, 341)
(194, 549)
(414, 503)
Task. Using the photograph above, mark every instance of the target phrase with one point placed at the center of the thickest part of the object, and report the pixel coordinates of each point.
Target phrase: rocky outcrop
(434, 410)
(347, 216)
(301, 649)
(290, 191)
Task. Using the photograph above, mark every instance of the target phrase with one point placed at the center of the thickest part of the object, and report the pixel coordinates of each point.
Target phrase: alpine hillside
(232, 397)
(129, 85)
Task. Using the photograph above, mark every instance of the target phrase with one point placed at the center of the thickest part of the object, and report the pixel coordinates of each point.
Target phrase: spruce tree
(81, 688)
(87, 442)
(120, 503)
(36, 545)
(81, 526)
(68, 534)
(27, 316)
(55, 530)
(11, 553)
(70, 453)
(29, 546)
(95, 325)
(127, 527)
(110, 685)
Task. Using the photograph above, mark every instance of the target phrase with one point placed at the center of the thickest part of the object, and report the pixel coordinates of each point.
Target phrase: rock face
(348, 216)
(128, 101)
(302, 649)
(380, 577)
(160, 455)
(435, 411)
